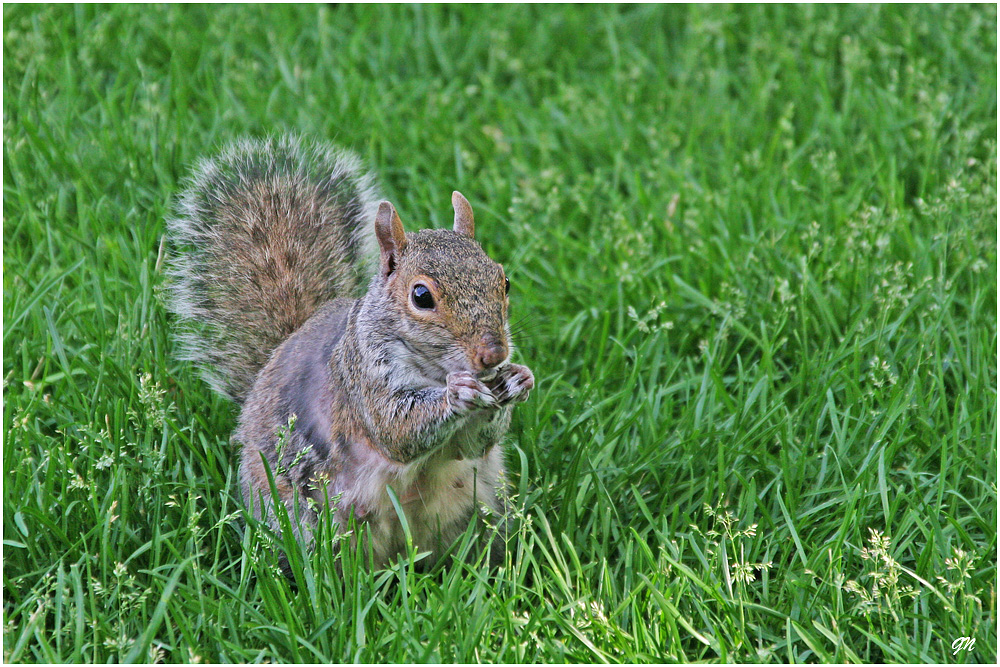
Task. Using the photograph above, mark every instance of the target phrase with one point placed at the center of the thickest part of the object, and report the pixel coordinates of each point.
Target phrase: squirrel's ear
(464, 223)
(391, 237)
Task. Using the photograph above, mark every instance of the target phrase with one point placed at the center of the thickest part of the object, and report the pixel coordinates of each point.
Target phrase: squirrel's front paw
(513, 383)
(466, 393)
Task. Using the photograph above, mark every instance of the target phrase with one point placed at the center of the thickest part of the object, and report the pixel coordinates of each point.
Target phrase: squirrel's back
(263, 235)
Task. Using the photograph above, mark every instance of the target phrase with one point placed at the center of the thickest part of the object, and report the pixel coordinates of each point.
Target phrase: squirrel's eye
(506, 285)
(422, 297)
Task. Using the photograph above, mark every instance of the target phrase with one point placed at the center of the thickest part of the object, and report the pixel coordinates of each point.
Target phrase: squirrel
(363, 358)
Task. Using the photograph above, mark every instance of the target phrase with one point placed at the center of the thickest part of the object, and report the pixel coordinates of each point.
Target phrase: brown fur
(352, 396)
(266, 233)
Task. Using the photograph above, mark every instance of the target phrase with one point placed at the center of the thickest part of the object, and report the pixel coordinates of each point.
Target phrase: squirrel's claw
(466, 393)
(513, 384)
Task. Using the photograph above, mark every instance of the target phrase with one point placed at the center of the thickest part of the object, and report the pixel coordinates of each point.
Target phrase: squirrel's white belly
(438, 496)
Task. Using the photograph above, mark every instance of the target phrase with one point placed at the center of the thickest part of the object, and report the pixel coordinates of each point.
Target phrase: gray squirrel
(363, 358)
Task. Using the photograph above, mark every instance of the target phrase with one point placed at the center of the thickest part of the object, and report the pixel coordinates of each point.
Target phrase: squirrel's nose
(490, 351)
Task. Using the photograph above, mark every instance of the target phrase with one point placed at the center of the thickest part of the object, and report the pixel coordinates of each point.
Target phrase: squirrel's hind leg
(260, 499)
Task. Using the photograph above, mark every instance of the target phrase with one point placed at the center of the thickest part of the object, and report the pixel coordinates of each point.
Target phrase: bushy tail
(263, 235)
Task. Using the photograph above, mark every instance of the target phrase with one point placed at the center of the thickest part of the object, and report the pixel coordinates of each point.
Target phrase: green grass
(754, 250)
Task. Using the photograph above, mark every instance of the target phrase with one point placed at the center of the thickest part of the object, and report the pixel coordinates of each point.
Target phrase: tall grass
(753, 256)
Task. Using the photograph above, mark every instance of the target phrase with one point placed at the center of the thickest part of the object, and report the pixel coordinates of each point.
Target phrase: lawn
(753, 259)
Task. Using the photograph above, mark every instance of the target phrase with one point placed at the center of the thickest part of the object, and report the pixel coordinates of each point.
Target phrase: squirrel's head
(451, 298)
